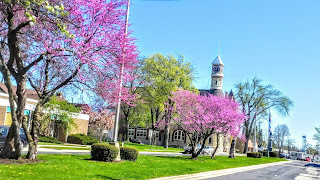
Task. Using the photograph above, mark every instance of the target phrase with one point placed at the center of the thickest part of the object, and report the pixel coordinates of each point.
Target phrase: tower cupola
(217, 74)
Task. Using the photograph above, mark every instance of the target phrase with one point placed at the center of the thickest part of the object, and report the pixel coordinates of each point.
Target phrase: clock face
(216, 69)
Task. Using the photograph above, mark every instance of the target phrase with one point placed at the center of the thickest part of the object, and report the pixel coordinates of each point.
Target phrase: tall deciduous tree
(279, 134)
(165, 74)
(316, 136)
(256, 99)
(56, 43)
(201, 116)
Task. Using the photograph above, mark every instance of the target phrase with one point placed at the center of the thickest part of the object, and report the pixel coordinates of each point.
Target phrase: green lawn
(78, 167)
(145, 147)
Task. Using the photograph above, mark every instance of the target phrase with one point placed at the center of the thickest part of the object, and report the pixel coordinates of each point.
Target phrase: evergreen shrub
(104, 152)
(273, 154)
(128, 153)
(254, 154)
(49, 139)
(81, 139)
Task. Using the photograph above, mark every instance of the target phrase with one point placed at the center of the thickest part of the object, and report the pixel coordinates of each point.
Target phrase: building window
(210, 140)
(141, 132)
(131, 132)
(178, 135)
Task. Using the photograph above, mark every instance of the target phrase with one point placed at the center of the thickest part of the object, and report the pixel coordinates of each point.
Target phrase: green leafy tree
(165, 74)
(317, 135)
(58, 114)
(256, 99)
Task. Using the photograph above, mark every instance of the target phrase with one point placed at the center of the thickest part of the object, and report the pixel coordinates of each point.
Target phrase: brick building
(81, 120)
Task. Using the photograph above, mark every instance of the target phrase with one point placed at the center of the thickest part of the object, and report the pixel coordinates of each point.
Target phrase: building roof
(217, 61)
(31, 94)
(231, 93)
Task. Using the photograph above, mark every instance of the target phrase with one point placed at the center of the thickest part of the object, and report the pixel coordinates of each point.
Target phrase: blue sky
(275, 41)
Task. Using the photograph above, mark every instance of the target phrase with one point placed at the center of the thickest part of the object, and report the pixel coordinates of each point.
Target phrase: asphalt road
(297, 170)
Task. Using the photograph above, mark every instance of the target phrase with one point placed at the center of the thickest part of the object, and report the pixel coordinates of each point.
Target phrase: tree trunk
(166, 136)
(11, 143)
(34, 138)
(245, 150)
(232, 148)
(215, 149)
(127, 132)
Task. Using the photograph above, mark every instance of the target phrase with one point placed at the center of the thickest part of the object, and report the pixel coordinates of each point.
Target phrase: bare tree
(280, 133)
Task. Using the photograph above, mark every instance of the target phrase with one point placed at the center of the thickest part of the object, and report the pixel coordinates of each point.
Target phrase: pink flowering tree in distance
(53, 44)
(201, 116)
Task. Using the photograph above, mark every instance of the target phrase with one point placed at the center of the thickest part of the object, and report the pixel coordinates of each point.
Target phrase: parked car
(188, 148)
(4, 133)
(207, 150)
(282, 155)
(135, 141)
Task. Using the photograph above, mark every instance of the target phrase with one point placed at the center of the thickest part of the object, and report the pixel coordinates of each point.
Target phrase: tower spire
(219, 49)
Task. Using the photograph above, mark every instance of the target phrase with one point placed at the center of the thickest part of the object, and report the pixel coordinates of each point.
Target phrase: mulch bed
(19, 161)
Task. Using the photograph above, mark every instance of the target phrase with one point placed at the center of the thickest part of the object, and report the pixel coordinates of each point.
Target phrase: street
(298, 170)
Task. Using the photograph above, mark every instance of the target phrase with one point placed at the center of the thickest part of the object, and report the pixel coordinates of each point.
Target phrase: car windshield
(21, 131)
(3, 131)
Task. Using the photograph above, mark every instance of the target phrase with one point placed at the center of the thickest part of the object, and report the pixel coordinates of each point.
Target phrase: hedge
(104, 152)
(273, 154)
(128, 153)
(254, 154)
(49, 140)
(81, 139)
(265, 153)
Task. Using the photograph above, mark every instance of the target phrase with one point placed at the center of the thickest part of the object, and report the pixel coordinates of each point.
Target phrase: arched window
(179, 135)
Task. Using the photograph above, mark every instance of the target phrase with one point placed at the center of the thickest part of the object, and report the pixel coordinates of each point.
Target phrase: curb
(222, 172)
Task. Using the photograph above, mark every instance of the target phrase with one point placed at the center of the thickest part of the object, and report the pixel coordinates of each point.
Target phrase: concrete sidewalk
(87, 152)
(217, 173)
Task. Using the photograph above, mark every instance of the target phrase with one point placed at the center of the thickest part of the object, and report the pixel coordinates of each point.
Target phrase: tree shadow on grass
(105, 177)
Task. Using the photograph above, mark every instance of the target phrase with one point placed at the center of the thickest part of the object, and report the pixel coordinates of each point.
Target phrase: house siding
(82, 127)
(3, 110)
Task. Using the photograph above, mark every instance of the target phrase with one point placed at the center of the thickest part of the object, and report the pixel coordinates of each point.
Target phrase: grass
(149, 148)
(45, 143)
(66, 148)
(146, 167)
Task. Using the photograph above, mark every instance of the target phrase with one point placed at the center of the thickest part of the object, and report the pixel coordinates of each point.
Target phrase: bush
(265, 153)
(104, 152)
(128, 153)
(254, 154)
(273, 154)
(49, 140)
(81, 139)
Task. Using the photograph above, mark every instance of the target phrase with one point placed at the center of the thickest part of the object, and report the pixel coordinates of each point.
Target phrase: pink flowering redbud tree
(53, 44)
(201, 116)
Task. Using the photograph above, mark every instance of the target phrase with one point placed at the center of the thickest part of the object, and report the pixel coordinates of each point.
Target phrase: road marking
(312, 174)
(223, 172)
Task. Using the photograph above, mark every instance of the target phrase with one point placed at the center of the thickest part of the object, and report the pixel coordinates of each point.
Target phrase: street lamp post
(116, 123)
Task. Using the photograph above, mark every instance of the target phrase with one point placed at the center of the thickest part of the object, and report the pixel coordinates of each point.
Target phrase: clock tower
(217, 76)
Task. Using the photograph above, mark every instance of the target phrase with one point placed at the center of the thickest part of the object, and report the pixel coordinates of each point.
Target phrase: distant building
(80, 119)
(177, 137)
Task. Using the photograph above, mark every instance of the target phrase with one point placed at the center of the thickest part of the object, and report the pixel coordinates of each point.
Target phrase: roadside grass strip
(146, 167)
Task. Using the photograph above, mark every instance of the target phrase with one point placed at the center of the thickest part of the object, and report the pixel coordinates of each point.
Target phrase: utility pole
(116, 123)
(270, 136)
